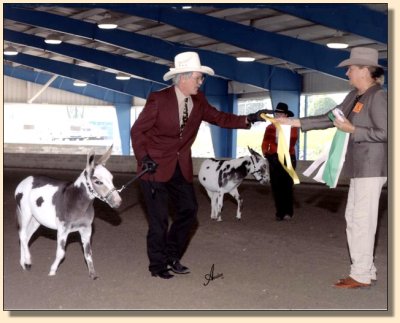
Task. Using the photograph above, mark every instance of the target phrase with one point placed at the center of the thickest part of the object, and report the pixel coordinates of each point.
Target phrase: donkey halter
(94, 193)
(256, 171)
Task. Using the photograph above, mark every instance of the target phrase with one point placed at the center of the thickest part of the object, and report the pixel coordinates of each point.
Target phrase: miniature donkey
(65, 207)
(224, 176)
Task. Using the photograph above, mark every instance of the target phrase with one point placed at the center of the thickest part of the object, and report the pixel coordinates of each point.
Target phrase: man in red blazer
(162, 137)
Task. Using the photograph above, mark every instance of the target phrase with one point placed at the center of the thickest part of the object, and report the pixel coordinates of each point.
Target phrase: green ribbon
(330, 164)
(334, 164)
(337, 153)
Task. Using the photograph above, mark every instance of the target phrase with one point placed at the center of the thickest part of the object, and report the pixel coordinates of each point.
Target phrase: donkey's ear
(90, 160)
(103, 159)
(254, 153)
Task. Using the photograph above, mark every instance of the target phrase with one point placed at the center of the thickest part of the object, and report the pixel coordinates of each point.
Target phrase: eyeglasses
(198, 78)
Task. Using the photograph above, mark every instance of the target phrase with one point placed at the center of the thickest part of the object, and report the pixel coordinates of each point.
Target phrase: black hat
(283, 107)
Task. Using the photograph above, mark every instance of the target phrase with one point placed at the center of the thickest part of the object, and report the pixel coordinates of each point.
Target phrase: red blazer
(156, 132)
(269, 145)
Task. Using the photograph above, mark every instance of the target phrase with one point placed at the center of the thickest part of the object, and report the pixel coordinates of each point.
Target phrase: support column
(233, 100)
(216, 91)
(224, 140)
(123, 111)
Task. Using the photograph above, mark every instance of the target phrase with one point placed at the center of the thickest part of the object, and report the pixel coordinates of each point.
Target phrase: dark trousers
(281, 185)
(165, 245)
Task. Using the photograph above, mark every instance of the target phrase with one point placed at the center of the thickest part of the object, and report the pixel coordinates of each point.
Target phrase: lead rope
(130, 181)
(104, 199)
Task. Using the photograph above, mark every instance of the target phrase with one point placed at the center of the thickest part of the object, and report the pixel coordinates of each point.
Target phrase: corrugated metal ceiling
(273, 25)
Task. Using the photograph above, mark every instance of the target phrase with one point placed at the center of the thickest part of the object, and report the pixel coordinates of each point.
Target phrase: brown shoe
(350, 283)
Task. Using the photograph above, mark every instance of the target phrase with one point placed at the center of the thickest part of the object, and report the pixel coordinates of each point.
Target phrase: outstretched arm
(294, 122)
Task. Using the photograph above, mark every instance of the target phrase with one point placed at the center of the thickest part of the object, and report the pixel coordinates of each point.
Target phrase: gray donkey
(65, 207)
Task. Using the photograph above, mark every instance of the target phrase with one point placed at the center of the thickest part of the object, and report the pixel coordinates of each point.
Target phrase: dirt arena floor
(258, 263)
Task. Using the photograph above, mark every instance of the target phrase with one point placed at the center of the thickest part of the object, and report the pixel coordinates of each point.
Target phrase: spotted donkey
(65, 207)
(224, 176)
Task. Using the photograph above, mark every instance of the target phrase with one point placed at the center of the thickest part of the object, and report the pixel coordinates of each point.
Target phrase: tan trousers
(361, 219)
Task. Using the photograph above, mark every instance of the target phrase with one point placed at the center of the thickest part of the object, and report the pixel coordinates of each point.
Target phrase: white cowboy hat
(187, 62)
(362, 56)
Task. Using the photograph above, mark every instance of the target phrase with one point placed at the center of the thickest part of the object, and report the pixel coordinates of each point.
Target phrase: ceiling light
(186, 7)
(10, 51)
(245, 59)
(107, 23)
(337, 42)
(79, 83)
(53, 39)
(122, 77)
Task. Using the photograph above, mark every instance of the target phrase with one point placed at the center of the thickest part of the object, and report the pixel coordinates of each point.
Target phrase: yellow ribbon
(283, 150)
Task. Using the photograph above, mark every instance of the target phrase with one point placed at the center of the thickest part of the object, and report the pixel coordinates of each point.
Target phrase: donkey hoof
(27, 266)
(52, 273)
(219, 219)
(93, 276)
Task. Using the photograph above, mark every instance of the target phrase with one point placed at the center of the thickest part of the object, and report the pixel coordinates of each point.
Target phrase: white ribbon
(337, 147)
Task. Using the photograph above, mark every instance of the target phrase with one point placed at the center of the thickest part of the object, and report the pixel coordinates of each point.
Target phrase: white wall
(17, 91)
(122, 164)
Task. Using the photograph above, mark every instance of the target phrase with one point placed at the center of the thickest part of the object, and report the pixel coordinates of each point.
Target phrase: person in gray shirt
(365, 119)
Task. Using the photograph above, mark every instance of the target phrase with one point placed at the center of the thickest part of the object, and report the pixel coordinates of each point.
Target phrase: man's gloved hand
(149, 164)
(254, 117)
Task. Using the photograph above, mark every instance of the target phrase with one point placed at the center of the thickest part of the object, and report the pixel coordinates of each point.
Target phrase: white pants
(362, 218)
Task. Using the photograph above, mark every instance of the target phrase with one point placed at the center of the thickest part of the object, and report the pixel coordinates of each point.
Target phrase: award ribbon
(283, 150)
(334, 163)
(330, 163)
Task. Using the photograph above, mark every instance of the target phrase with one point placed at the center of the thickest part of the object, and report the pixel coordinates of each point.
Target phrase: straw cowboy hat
(187, 62)
(283, 108)
(362, 56)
